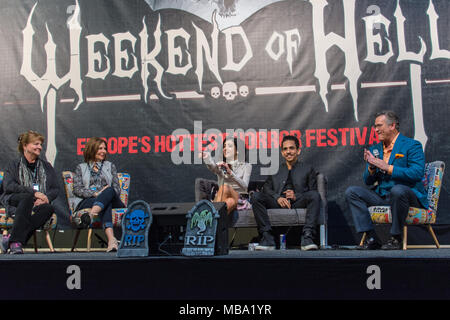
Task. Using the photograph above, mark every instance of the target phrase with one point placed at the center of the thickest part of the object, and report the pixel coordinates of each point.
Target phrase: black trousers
(26, 223)
(261, 202)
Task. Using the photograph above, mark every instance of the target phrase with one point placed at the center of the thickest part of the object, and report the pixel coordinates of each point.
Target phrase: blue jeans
(107, 200)
(400, 199)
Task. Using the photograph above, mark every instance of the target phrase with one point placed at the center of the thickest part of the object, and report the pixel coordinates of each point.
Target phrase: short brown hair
(28, 137)
(92, 147)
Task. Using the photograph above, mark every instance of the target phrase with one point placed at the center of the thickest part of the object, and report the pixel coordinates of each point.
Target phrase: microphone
(376, 154)
(224, 170)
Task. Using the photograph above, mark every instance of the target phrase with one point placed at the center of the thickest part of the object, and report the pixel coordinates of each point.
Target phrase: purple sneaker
(15, 248)
(4, 244)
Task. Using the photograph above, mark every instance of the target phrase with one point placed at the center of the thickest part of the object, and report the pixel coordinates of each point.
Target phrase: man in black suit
(294, 186)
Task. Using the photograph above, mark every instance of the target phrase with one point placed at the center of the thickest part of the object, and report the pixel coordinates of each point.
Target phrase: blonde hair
(92, 147)
(28, 137)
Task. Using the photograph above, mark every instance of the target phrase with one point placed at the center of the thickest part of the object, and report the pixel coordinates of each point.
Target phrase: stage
(241, 275)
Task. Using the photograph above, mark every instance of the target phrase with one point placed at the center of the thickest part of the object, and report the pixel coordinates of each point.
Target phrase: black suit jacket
(304, 178)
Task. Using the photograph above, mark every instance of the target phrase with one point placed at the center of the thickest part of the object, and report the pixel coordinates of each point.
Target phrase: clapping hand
(367, 154)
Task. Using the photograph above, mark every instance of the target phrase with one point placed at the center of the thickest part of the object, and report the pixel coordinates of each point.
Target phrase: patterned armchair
(124, 181)
(432, 180)
(6, 223)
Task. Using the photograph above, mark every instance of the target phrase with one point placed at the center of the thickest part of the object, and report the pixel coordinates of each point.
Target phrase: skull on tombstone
(137, 220)
(229, 90)
(243, 91)
(215, 92)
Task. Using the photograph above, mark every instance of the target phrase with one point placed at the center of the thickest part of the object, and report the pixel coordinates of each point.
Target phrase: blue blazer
(408, 160)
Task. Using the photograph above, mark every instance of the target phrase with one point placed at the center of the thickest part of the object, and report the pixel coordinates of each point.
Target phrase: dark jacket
(11, 184)
(304, 178)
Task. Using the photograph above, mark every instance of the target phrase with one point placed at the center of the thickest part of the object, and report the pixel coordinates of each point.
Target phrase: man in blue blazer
(395, 168)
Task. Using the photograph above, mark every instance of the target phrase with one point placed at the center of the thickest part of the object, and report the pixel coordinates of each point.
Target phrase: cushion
(5, 223)
(124, 181)
(433, 183)
(51, 223)
(382, 214)
(68, 187)
(278, 217)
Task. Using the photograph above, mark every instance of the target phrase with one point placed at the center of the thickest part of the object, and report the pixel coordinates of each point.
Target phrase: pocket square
(399, 155)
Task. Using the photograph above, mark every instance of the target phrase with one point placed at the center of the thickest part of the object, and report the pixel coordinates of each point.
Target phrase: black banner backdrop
(135, 71)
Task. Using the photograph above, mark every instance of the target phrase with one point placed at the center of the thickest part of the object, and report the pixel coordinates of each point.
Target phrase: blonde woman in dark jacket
(29, 187)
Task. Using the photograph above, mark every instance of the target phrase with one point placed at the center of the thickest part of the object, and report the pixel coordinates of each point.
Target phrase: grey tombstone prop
(135, 225)
(200, 237)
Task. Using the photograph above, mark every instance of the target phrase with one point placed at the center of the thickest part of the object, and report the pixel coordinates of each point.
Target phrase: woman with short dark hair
(29, 187)
(97, 186)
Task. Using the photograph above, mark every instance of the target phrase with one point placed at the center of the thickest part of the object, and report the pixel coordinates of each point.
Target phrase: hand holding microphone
(224, 167)
(375, 161)
(376, 154)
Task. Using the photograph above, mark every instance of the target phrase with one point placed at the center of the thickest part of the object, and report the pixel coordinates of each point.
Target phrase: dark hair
(92, 147)
(28, 137)
(223, 146)
(292, 138)
(391, 117)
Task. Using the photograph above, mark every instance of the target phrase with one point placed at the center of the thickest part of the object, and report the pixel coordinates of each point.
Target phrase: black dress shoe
(392, 244)
(369, 244)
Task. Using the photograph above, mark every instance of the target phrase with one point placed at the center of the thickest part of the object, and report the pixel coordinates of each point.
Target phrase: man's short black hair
(292, 138)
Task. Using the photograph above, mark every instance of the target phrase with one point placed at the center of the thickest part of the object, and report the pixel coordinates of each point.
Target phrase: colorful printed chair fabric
(124, 181)
(432, 180)
(6, 223)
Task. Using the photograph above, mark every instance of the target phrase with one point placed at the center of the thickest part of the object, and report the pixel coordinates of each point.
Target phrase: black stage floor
(241, 275)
